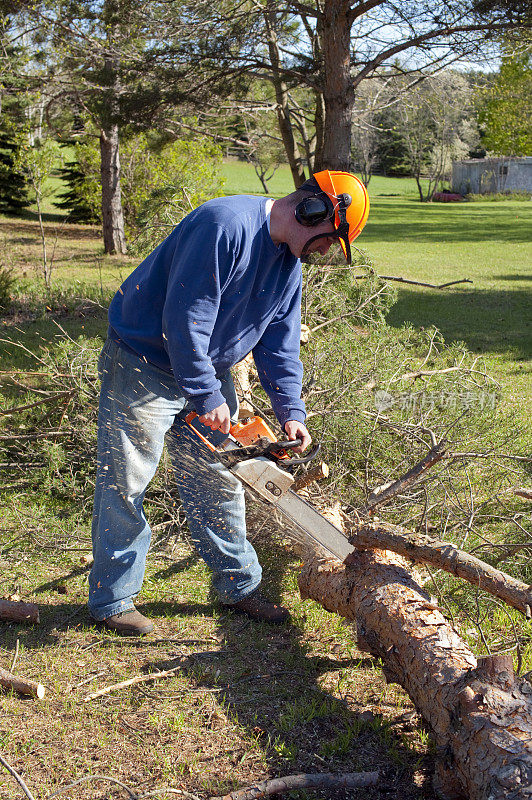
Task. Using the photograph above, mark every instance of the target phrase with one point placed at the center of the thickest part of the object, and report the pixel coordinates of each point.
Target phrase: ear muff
(318, 208)
(314, 210)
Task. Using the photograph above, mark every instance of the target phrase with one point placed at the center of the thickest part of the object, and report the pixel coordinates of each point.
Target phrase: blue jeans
(140, 405)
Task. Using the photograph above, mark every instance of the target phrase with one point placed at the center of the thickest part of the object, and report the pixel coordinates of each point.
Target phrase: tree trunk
(446, 556)
(114, 238)
(338, 91)
(482, 723)
(319, 123)
(283, 110)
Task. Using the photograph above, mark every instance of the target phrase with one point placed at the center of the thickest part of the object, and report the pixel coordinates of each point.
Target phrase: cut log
(19, 612)
(481, 717)
(317, 473)
(446, 556)
(242, 377)
(21, 685)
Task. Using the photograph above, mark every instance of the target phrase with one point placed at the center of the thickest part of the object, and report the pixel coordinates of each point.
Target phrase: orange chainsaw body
(245, 433)
(251, 431)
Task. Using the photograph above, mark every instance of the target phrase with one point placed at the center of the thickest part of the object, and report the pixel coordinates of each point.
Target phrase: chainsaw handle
(189, 419)
(294, 462)
(278, 450)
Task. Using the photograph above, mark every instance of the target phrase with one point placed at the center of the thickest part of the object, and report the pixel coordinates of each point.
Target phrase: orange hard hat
(350, 200)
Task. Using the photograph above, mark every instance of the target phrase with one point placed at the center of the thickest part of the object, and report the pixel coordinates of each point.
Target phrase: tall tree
(338, 44)
(505, 107)
(108, 60)
(13, 183)
(433, 122)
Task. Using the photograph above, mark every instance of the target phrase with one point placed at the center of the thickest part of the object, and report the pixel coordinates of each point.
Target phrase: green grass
(487, 243)
(249, 701)
(240, 178)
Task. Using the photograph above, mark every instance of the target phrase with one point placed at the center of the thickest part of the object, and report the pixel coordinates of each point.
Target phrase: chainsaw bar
(245, 453)
(273, 485)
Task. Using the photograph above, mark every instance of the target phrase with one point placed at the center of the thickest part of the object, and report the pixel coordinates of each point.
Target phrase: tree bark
(445, 555)
(242, 378)
(283, 110)
(21, 685)
(338, 91)
(114, 238)
(482, 723)
(19, 612)
(317, 473)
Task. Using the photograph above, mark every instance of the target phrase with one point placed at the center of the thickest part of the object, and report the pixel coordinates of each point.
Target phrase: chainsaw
(252, 452)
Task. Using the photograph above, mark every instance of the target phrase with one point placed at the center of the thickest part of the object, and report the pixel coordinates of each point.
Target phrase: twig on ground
(399, 279)
(15, 656)
(152, 676)
(180, 792)
(85, 778)
(323, 780)
(17, 777)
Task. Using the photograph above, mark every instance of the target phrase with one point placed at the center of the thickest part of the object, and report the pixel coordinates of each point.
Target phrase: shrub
(155, 173)
(498, 196)
(7, 282)
(13, 181)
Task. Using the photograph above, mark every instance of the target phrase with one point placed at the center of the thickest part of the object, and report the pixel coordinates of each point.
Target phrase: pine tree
(13, 186)
(74, 199)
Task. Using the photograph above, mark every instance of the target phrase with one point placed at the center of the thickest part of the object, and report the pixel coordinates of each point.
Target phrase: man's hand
(297, 430)
(219, 419)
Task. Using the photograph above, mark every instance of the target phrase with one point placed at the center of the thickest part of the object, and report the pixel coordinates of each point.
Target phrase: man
(226, 282)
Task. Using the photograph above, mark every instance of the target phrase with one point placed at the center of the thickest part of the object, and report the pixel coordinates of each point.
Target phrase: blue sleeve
(277, 359)
(202, 261)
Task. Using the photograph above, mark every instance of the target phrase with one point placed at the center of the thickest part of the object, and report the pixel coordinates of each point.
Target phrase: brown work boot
(129, 623)
(258, 607)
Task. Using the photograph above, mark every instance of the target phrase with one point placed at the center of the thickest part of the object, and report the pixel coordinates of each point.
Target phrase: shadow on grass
(268, 682)
(494, 321)
(511, 277)
(27, 225)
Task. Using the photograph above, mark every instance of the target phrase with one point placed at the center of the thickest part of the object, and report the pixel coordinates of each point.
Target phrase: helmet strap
(338, 234)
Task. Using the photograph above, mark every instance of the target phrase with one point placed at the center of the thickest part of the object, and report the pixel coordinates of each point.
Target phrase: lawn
(488, 243)
(246, 701)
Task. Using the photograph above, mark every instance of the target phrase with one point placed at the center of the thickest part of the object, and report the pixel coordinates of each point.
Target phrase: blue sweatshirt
(216, 289)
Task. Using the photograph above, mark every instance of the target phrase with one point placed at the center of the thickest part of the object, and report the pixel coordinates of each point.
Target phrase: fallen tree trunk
(481, 720)
(19, 612)
(22, 685)
(446, 556)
